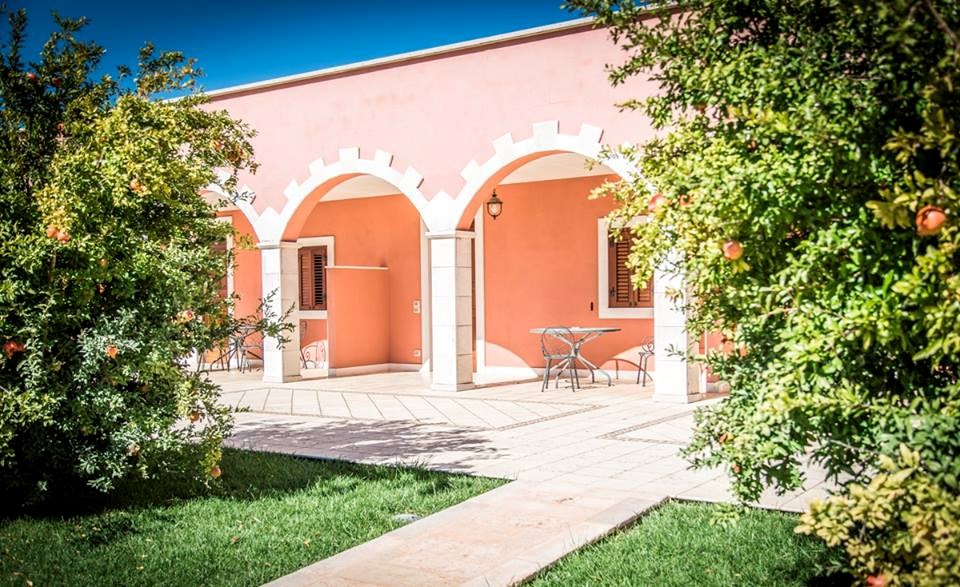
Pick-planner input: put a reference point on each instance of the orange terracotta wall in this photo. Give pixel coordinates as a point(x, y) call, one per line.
point(246, 267)
point(540, 263)
point(312, 331)
point(358, 316)
point(377, 232)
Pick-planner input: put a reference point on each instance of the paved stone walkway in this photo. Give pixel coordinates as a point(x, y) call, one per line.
point(583, 463)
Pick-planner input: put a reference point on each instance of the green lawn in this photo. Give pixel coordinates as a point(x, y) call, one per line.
point(675, 545)
point(271, 515)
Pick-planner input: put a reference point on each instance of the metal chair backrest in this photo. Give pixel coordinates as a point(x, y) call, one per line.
point(557, 342)
point(646, 344)
point(314, 354)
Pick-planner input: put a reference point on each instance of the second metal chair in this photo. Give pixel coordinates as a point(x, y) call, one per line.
point(558, 344)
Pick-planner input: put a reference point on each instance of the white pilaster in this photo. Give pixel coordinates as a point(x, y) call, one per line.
point(677, 380)
point(451, 319)
point(426, 345)
point(279, 266)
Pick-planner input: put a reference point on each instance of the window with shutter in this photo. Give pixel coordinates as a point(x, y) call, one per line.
point(622, 293)
point(313, 278)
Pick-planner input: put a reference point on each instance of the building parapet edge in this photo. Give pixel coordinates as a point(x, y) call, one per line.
point(390, 60)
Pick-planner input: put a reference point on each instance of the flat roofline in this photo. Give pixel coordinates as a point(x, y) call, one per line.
point(404, 57)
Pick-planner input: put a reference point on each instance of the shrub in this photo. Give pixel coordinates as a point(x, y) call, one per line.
point(899, 529)
point(809, 166)
point(107, 275)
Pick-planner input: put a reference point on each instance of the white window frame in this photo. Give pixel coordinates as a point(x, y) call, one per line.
point(603, 279)
point(313, 241)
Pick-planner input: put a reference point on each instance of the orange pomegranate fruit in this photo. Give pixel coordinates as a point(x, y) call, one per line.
point(732, 250)
point(656, 202)
point(930, 219)
point(12, 347)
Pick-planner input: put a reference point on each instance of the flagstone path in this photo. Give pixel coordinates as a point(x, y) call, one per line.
point(583, 464)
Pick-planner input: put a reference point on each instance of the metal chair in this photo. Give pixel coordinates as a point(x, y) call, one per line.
point(245, 344)
point(646, 351)
point(314, 355)
point(557, 344)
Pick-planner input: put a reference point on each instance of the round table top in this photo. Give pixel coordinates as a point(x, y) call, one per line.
point(577, 329)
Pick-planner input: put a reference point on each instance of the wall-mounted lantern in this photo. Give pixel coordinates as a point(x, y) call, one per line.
point(494, 205)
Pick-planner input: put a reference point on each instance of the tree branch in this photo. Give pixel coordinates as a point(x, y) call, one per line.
point(944, 27)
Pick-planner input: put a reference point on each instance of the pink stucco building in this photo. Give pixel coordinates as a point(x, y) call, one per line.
point(368, 213)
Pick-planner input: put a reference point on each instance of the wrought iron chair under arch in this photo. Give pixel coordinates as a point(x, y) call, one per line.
point(559, 348)
point(646, 351)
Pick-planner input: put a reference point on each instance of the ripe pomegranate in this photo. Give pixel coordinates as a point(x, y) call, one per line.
point(111, 351)
point(215, 471)
point(12, 347)
point(930, 219)
point(656, 201)
point(193, 416)
point(732, 250)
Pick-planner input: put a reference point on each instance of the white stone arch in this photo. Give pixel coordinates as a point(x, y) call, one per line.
point(243, 205)
point(271, 224)
point(445, 212)
point(279, 258)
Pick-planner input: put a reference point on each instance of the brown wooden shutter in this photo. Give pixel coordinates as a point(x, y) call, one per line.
point(645, 295)
point(306, 280)
point(619, 276)
point(221, 249)
point(313, 278)
point(320, 278)
point(622, 292)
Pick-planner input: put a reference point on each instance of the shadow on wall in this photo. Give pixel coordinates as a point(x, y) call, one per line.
point(392, 442)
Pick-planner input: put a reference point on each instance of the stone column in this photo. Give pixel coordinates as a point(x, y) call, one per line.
point(451, 313)
point(676, 379)
point(280, 276)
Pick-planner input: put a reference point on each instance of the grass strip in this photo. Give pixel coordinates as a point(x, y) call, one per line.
point(269, 515)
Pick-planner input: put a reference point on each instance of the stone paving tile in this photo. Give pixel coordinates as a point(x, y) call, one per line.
point(584, 463)
point(478, 412)
point(278, 400)
point(253, 400)
point(420, 409)
point(333, 405)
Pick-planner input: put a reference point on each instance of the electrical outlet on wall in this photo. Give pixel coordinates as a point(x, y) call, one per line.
point(416, 307)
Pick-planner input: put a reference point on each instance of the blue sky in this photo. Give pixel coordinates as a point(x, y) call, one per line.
point(244, 41)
